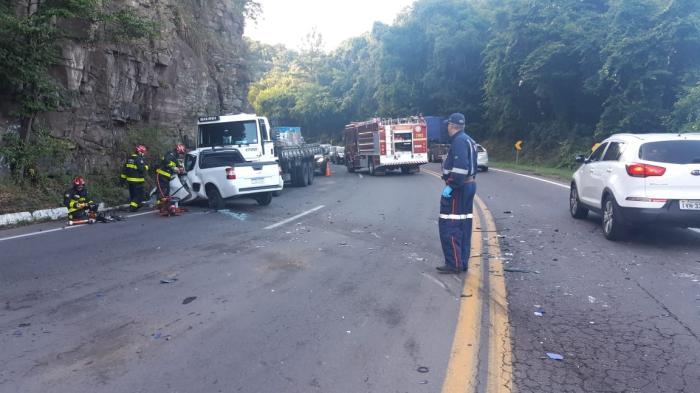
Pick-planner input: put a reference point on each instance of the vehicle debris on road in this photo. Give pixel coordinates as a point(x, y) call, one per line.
point(555, 356)
point(189, 300)
point(519, 270)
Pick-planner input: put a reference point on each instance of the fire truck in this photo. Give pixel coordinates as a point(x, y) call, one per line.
point(380, 145)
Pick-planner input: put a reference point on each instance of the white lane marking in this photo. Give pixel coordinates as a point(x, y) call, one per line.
point(533, 178)
point(140, 214)
point(360, 175)
point(695, 230)
point(435, 280)
point(38, 233)
point(62, 228)
point(298, 216)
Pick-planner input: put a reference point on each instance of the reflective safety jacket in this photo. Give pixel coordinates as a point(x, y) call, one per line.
point(460, 166)
point(134, 169)
point(168, 165)
point(72, 198)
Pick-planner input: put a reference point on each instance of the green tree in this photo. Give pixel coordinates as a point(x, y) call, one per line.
point(30, 34)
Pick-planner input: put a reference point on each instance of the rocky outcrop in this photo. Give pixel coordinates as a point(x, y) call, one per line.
point(194, 67)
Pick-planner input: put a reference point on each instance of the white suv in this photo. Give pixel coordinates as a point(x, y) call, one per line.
point(651, 179)
point(482, 158)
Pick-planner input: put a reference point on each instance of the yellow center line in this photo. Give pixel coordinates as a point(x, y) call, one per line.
point(461, 375)
point(500, 363)
point(463, 366)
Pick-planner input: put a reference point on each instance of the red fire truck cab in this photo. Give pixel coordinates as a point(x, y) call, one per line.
point(379, 145)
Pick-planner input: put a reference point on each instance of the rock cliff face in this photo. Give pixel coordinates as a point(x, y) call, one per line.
point(195, 67)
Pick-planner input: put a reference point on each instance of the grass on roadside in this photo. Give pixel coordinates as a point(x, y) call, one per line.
point(49, 193)
point(563, 174)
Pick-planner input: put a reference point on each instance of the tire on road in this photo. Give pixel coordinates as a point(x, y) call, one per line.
point(310, 173)
point(299, 175)
point(372, 169)
point(577, 210)
point(264, 198)
point(614, 227)
point(214, 198)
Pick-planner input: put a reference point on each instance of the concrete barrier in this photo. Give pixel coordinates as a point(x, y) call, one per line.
point(15, 218)
point(47, 214)
point(50, 214)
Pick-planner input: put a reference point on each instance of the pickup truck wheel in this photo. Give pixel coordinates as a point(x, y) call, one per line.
point(264, 199)
point(214, 198)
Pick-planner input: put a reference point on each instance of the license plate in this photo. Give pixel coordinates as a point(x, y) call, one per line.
point(690, 205)
point(260, 180)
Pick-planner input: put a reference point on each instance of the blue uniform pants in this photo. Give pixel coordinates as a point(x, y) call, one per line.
point(455, 226)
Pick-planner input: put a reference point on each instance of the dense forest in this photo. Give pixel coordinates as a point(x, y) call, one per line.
point(558, 74)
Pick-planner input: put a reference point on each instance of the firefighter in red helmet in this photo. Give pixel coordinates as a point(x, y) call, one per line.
point(134, 174)
point(77, 200)
point(168, 167)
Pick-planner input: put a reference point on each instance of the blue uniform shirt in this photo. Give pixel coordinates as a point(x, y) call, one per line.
point(460, 163)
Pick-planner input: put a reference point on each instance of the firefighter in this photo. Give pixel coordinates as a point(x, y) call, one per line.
point(133, 174)
point(457, 200)
point(168, 168)
point(77, 200)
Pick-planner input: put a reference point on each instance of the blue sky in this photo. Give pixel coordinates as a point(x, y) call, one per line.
point(289, 21)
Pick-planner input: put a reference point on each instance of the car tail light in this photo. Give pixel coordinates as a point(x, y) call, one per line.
point(645, 170)
point(230, 174)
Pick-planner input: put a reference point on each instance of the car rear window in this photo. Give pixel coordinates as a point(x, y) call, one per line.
point(671, 152)
point(223, 158)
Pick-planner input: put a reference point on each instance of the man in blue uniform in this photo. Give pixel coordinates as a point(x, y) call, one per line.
point(457, 201)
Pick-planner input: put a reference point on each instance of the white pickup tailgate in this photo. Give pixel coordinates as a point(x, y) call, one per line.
point(254, 177)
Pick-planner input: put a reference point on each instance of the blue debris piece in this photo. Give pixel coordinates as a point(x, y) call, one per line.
point(554, 356)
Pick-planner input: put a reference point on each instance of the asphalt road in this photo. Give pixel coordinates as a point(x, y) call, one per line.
point(345, 298)
point(625, 315)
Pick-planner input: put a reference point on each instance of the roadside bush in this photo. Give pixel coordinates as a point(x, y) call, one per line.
point(41, 157)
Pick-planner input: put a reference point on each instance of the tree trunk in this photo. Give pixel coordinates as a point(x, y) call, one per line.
point(25, 130)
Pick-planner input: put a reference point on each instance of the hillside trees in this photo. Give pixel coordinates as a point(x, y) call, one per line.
point(559, 74)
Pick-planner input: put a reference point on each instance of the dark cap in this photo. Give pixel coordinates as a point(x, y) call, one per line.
point(456, 118)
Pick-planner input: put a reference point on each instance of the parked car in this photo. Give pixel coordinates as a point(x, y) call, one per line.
point(639, 179)
point(338, 155)
point(482, 158)
point(322, 159)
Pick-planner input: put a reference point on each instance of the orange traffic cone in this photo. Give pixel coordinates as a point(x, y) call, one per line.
point(328, 169)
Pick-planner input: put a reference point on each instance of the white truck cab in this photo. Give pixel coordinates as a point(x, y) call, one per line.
point(248, 133)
